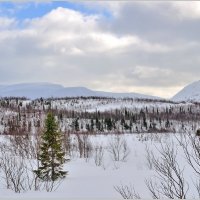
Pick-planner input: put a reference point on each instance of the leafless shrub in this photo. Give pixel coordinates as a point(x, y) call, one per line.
point(98, 155)
point(24, 146)
point(118, 149)
point(17, 170)
point(127, 191)
point(197, 186)
point(67, 143)
point(84, 146)
point(153, 188)
point(190, 144)
point(19, 177)
point(191, 147)
point(149, 157)
point(169, 181)
point(14, 172)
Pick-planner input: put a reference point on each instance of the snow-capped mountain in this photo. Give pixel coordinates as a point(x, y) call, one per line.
point(37, 90)
point(189, 93)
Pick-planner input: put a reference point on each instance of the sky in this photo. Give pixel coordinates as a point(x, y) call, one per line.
point(118, 46)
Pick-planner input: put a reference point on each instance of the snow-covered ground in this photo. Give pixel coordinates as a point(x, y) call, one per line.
point(88, 176)
point(86, 180)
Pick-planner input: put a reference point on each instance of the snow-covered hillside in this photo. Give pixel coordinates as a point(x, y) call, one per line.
point(189, 93)
point(45, 90)
point(99, 115)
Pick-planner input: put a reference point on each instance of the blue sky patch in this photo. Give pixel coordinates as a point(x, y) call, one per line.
point(31, 10)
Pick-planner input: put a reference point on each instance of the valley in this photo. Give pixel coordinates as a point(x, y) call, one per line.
point(117, 137)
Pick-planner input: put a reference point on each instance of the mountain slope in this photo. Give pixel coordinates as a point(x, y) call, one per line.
point(37, 90)
point(189, 93)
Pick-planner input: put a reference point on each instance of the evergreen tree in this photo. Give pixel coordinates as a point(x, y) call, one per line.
point(98, 124)
point(51, 155)
point(87, 127)
point(108, 123)
point(76, 125)
point(92, 125)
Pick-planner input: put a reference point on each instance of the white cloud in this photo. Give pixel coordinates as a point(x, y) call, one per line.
point(71, 32)
point(72, 48)
point(6, 23)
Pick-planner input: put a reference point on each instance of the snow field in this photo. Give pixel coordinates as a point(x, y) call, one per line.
point(87, 181)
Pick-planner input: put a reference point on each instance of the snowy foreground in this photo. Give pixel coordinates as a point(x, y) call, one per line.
point(87, 180)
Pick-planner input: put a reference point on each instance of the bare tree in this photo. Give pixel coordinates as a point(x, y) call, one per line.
point(24, 146)
point(153, 188)
point(17, 163)
point(169, 180)
point(190, 144)
point(98, 155)
point(118, 149)
point(191, 147)
point(84, 146)
point(149, 157)
point(13, 172)
point(67, 142)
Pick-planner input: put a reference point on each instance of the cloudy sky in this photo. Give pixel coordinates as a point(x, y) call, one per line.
point(124, 46)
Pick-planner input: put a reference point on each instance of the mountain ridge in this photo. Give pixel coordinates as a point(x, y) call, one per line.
point(190, 92)
point(45, 90)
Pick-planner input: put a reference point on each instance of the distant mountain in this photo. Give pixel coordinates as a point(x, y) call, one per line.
point(45, 90)
point(189, 93)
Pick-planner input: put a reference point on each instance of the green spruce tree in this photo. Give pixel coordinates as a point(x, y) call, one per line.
point(51, 154)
